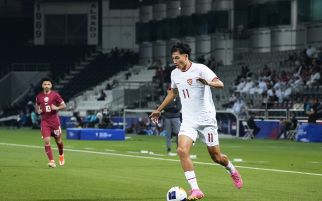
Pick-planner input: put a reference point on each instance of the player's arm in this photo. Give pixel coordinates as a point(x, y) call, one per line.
point(60, 107)
point(172, 94)
point(38, 109)
point(215, 83)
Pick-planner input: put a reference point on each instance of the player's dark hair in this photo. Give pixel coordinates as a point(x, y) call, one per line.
point(182, 48)
point(47, 79)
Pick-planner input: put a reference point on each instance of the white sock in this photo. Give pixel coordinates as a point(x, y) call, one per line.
point(230, 167)
point(191, 178)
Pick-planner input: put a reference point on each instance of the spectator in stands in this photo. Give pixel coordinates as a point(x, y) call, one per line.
point(78, 120)
point(21, 120)
point(272, 97)
point(298, 105)
point(241, 84)
point(72, 105)
point(244, 71)
point(262, 86)
point(284, 78)
point(90, 119)
point(312, 110)
point(102, 96)
point(278, 93)
point(239, 108)
point(315, 77)
point(266, 102)
point(287, 124)
point(267, 73)
point(252, 125)
point(296, 83)
point(34, 120)
point(287, 91)
point(306, 74)
point(249, 84)
point(232, 99)
point(140, 127)
point(319, 56)
point(105, 120)
point(310, 52)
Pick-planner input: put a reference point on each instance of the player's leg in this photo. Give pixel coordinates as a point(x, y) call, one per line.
point(60, 145)
point(210, 137)
point(223, 160)
point(183, 150)
point(45, 132)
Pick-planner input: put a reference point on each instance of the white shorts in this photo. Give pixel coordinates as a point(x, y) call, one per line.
point(207, 133)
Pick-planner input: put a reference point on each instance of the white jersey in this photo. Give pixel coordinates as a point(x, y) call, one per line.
point(196, 98)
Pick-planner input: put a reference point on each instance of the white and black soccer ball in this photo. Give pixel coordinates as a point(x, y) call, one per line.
point(176, 194)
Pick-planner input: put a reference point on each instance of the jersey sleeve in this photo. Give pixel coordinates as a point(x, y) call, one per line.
point(59, 99)
point(173, 84)
point(208, 74)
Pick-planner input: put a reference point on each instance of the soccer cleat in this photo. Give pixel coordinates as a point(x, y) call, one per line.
point(195, 194)
point(61, 160)
point(52, 164)
point(238, 182)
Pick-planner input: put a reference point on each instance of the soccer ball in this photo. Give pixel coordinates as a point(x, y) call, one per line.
point(176, 194)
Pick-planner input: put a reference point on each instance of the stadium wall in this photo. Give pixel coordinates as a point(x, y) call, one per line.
point(118, 28)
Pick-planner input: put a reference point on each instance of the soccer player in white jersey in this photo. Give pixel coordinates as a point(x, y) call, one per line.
point(192, 82)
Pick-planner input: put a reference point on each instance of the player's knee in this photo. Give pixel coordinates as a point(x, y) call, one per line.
point(59, 141)
point(46, 141)
point(182, 151)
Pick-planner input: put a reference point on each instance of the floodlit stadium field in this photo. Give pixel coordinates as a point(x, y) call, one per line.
point(117, 171)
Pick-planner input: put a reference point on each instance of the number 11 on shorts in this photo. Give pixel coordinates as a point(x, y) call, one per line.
point(210, 137)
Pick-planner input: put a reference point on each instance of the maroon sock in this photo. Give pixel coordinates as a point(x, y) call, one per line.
point(49, 152)
point(60, 148)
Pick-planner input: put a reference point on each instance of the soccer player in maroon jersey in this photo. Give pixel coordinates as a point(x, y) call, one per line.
point(48, 103)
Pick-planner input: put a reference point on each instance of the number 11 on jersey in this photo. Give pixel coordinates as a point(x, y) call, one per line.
point(185, 93)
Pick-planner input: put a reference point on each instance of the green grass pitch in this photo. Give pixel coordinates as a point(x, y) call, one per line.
point(116, 171)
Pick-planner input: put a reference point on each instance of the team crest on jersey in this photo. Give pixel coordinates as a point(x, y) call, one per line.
point(46, 99)
point(189, 81)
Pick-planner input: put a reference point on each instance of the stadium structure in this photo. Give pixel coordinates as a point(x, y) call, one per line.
point(120, 49)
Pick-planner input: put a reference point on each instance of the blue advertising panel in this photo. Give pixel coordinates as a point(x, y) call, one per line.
point(73, 133)
point(269, 129)
point(95, 134)
point(309, 133)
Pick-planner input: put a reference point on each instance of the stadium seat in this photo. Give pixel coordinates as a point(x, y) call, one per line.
point(291, 134)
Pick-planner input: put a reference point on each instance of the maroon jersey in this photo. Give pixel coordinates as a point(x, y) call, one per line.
point(44, 101)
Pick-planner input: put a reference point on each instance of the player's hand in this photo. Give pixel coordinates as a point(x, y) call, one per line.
point(154, 116)
point(203, 81)
point(54, 107)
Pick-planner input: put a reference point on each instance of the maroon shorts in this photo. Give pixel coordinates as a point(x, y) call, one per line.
point(50, 130)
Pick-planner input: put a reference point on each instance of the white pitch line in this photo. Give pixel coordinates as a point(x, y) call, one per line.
point(109, 150)
point(161, 159)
